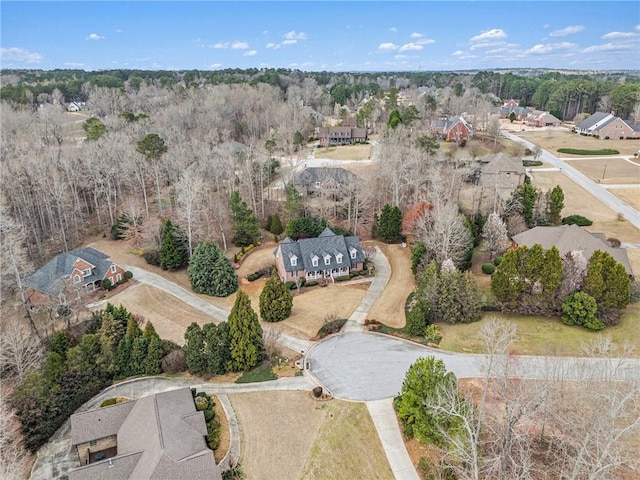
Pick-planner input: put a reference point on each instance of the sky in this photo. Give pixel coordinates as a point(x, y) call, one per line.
point(316, 36)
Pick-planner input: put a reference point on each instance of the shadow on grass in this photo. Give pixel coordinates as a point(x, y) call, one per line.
point(262, 373)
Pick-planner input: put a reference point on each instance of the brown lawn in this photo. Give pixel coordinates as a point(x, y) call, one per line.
point(346, 152)
point(629, 195)
point(288, 435)
point(561, 137)
point(608, 170)
point(389, 309)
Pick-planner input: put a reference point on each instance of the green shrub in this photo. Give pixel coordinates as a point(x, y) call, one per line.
point(531, 163)
point(128, 275)
point(433, 334)
point(577, 151)
point(579, 308)
point(201, 401)
point(497, 261)
point(254, 276)
point(342, 278)
point(312, 283)
point(106, 284)
point(488, 268)
point(152, 256)
point(107, 402)
point(577, 220)
point(333, 326)
point(634, 292)
point(290, 285)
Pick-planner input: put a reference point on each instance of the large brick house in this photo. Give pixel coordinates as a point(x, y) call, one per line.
point(606, 125)
point(328, 180)
point(154, 437)
point(345, 135)
point(538, 118)
point(452, 129)
point(80, 271)
point(326, 256)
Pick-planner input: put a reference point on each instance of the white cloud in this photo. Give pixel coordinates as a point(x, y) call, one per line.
point(546, 26)
point(272, 45)
point(401, 57)
point(482, 45)
point(493, 34)
point(410, 46)
point(265, 32)
point(611, 35)
point(393, 29)
point(458, 53)
point(570, 30)
point(118, 30)
point(94, 36)
point(290, 41)
point(416, 35)
point(73, 64)
point(638, 28)
point(425, 41)
point(20, 55)
point(293, 35)
point(550, 47)
point(250, 53)
point(215, 65)
point(221, 45)
point(611, 46)
point(387, 47)
point(239, 45)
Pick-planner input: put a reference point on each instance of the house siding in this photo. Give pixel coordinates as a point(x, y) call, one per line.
point(617, 130)
point(86, 449)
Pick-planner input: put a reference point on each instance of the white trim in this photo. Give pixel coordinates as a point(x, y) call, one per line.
point(113, 268)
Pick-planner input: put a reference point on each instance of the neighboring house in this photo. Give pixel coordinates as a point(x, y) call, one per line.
point(326, 180)
point(452, 129)
point(538, 118)
point(607, 125)
point(157, 437)
point(74, 107)
point(511, 103)
point(326, 256)
point(568, 238)
point(499, 171)
point(345, 135)
point(521, 112)
point(82, 270)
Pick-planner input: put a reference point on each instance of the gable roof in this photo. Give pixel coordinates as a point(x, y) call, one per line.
point(161, 436)
point(326, 244)
point(500, 163)
point(594, 120)
point(311, 175)
point(447, 124)
point(50, 277)
point(572, 237)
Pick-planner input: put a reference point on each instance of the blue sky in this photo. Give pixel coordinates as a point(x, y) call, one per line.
point(309, 35)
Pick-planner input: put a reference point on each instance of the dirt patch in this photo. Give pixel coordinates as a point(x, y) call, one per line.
point(608, 170)
point(629, 195)
point(170, 316)
point(561, 137)
point(277, 430)
point(257, 259)
point(389, 309)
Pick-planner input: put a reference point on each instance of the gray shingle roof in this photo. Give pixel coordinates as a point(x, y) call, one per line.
point(571, 237)
point(50, 278)
point(328, 244)
point(311, 175)
point(499, 163)
point(592, 120)
point(162, 436)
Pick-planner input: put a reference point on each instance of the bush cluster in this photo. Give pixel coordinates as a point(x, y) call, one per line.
point(488, 268)
point(577, 220)
point(577, 151)
point(342, 278)
point(244, 250)
point(204, 403)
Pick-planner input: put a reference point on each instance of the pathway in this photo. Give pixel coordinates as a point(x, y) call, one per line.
point(595, 189)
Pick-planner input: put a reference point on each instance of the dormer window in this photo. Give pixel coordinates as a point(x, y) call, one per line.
point(327, 259)
point(354, 252)
point(86, 272)
point(314, 261)
point(77, 278)
point(339, 258)
point(113, 268)
point(294, 261)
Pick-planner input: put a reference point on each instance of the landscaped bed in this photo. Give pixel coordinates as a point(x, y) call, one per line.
point(577, 151)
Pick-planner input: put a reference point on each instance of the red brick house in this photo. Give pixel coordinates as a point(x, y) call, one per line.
point(346, 135)
point(511, 103)
point(538, 118)
point(80, 271)
point(452, 129)
point(327, 256)
point(606, 125)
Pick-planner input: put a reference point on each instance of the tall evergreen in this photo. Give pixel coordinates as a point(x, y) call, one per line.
point(174, 253)
point(389, 226)
point(555, 204)
point(211, 272)
point(217, 347)
point(246, 229)
point(607, 282)
point(139, 351)
point(152, 364)
point(194, 349)
point(276, 300)
point(245, 331)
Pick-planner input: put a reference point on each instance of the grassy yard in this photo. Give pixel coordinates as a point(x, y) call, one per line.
point(346, 152)
point(542, 335)
point(608, 170)
point(562, 137)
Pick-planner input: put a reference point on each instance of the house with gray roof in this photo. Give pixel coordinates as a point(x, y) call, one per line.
point(326, 180)
point(452, 129)
point(80, 271)
point(607, 125)
point(568, 238)
point(157, 437)
point(326, 256)
point(343, 135)
point(538, 118)
point(520, 112)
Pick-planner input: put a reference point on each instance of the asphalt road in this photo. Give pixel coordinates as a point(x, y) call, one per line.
point(595, 189)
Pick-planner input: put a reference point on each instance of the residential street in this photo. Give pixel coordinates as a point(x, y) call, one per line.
point(597, 190)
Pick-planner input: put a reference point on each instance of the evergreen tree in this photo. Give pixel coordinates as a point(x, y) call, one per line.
point(276, 225)
point(111, 331)
point(374, 226)
point(150, 332)
point(390, 224)
point(555, 204)
point(94, 128)
point(194, 349)
point(174, 253)
point(123, 358)
point(607, 282)
point(211, 272)
point(217, 347)
point(133, 329)
point(276, 300)
point(512, 116)
point(153, 361)
point(245, 225)
point(305, 227)
point(580, 308)
point(417, 319)
point(527, 196)
point(246, 335)
point(551, 281)
point(294, 204)
point(506, 283)
point(139, 350)
point(267, 226)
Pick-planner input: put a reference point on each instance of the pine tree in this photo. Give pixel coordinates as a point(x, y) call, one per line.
point(245, 225)
point(246, 335)
point(417, 319)
point(294, 204)
point(276, 300)
point(174, 253)
point(527, 195)
point(211, 272)
point(217, 347)
point(133, 329)
point(150, 332)
point(555, 204)
point(194, 349)
point(138, 355)
point(267, 226)
point(123, 358)
point(506, 283)
point(607, 282)
point(152, 364)
point(276, 225)
point(551, 280)
point(390, 224)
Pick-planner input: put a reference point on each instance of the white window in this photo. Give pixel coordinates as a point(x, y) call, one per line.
point(339, 258)
point(113, 268)
point(77, 278)
point(327, 259)
point(294, 261)
point(86, 272)
point(118, 277)
point(294, 273)
point(314, 261)
point(353, 253)
point(317, 184)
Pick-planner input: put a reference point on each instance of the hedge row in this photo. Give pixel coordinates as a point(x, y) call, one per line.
point(577, 151)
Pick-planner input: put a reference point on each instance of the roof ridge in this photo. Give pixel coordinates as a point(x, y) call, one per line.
point(159, 423)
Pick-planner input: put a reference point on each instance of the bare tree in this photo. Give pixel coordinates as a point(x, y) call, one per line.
point(494, 233)
point(13, 456)
point(189, 191)
point(20, 351)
